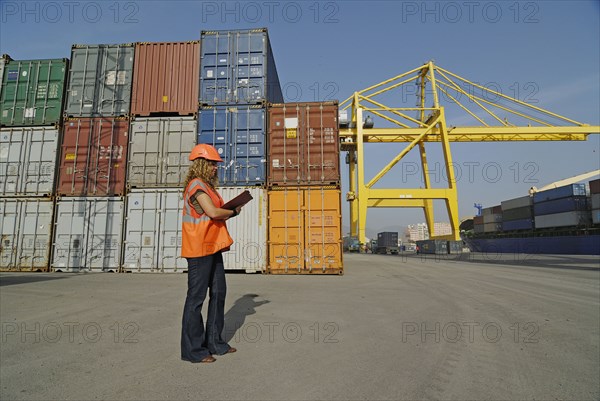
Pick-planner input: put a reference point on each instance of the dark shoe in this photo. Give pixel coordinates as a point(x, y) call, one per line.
point(206, 359)
point(231, 350)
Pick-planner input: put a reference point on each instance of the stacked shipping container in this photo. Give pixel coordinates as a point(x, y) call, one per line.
point(162, 132)
point(517, 214)
point(565, 206)
point(304, 233)
point(31, 100)
point(237, 78)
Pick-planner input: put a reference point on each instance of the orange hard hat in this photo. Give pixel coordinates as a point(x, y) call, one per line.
point(205, 151)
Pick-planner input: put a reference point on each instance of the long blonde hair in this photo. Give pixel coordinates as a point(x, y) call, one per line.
point(203, 169)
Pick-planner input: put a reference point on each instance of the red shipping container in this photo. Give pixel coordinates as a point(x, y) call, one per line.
point(166, 78)
point(93, 156)
point(595, 186)
point(303, 144)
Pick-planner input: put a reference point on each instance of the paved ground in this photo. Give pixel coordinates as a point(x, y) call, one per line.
point(392, 327)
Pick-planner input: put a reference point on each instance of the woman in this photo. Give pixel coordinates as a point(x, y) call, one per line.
point(204, 238)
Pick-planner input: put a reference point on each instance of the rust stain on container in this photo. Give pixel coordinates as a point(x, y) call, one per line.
point(166, 78)
point(303, 144)
point(93, 156)
point(305, 234)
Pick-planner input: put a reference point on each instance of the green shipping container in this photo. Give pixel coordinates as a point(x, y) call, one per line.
point(32, 92)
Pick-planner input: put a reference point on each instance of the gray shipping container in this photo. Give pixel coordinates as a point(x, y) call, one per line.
point(492, 218)
point(478, 228)
point(518, 213)
point(26, 231)
point(100, 80)
point(153, 231)
point(433, 246)
point(159, 150)
point(595, 201)
point(596, 216)
point(455, 247)
point(566, 219)
point(248, 230)
point(88, 234)
point(28, 161)
point(492, 227)
point(516, 203)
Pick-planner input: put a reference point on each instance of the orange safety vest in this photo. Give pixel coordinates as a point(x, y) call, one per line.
point(201, 235)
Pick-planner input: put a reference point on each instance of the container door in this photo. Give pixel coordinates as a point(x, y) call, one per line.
point(141, 231)
point(178, 140)
point(144, 153)
point(250, 59)
point(321, 145)
point(322, 223)
point(169, 233)
point(214, 129)
point(216, 77)
point(247, 146)
point(285, 147)
point(81, 94)
point(103, 234)
point(69, 235)
point(286, 231)
point(115, 79)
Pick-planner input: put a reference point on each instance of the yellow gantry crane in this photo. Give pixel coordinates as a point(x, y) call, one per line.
point(429, 125)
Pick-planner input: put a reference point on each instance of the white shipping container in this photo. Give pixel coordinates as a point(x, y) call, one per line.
point(516, 203)
point(248, 230)
point(595, 201)
point(88, 234)
point(153, 231)
point(28, 161)
point(159, 150)
point(26, 231)
point(492, 218)
point(566, 219)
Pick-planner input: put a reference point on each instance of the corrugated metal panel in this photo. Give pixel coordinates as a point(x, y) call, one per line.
point(595, 186)
point(492, 218)
point(478, 228)
point(33, 92)
point(572, 203)
point(93, 156)
point(165, 78)
point(88, 234)
point(387, 239)
point(238, 133)
point(478, 220)
point(559, 245)
point(28, 161)
point(565, 219)
point(519, 213)
point(159, 150)
point(560, 192)
point(303, 144)
point(522, 224)
point(238, 67)
point(455, 247)
point(596, 216)
point(26, 232)
point(492, 210)
point(305, 233)
point(100, 80)
point(516, 203)
point(249, 232)
point(153, 231)
point(492, 227)
point(595, 201)
point(433, 247)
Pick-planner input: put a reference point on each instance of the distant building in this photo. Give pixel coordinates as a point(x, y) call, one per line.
point(419, 232)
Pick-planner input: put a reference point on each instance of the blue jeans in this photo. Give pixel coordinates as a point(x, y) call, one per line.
point(203, 273)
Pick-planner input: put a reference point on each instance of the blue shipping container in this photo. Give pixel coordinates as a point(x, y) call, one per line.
point(560, 192)
point(239, 134)
point(523, 224)
point(570, 204)
point(237, 67)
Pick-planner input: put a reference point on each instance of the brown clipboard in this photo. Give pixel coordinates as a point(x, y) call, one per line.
point(239, 200)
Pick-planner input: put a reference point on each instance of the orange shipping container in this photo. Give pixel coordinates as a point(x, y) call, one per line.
point(166, 78)
point(303, 144)
point(93, 156)
point(305, 231)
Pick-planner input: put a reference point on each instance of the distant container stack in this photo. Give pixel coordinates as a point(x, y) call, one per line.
point(305, 234)
point(517, 214)
point(31, 106)
point(565, 206)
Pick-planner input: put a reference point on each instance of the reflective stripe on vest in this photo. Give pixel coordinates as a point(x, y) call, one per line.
point(201, 235)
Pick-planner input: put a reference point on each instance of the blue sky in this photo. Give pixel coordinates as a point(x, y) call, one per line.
point(546, 52)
